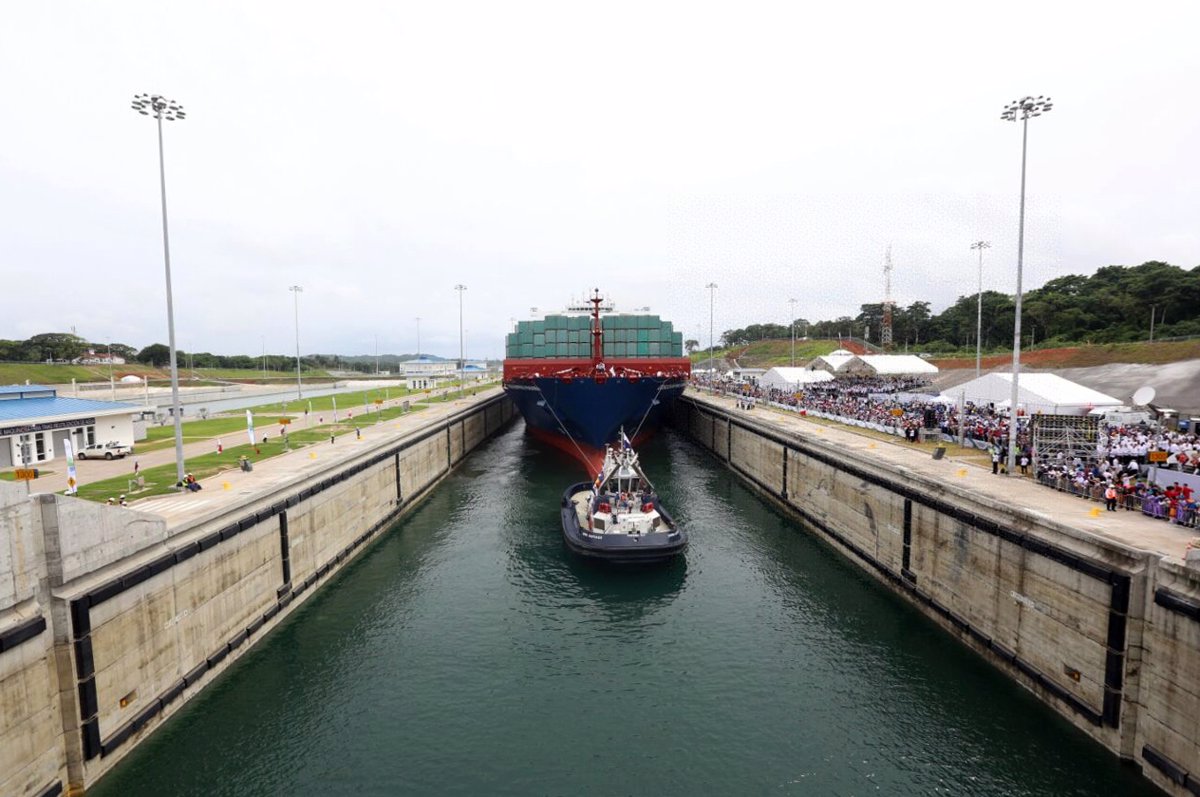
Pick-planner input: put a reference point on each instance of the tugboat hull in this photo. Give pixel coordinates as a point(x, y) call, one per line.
point(649, 548)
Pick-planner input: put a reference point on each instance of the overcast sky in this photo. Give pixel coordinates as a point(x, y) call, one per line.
point(379, 153)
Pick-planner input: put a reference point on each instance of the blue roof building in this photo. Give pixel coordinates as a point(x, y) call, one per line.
point(35, 420)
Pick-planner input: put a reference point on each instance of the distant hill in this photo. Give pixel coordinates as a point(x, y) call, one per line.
point(771, 353)
point(1085, 356)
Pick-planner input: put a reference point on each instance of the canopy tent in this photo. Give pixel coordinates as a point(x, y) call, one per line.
point(843, 363)
point(1045, 393)
point(897, 365)
point(792, 378)
point(832, 362)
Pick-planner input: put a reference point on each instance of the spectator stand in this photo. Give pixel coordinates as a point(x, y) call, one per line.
point(1064, 437)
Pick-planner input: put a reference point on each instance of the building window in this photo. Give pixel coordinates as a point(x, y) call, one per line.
point(39, 442)
point(89, 434)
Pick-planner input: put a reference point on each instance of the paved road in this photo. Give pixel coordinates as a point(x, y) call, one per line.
point(233, 486)
point(94, 470)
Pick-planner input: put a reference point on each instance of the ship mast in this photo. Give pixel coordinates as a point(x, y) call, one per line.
point(597, 342)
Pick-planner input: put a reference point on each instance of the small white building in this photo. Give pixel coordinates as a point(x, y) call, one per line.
point(792, 378)
point(1036, 392)
point(34, 421)
point(93, 357)
point(426, 367)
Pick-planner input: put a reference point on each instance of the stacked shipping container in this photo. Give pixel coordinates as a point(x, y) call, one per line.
point(563, 336)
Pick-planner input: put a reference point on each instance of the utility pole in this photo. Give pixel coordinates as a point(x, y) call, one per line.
point(162, 108)
point(1022, 109)
point(792, 302)
point(885, 336)
point(296, 291)
point(461, 362)
point(979, 245)
point(712, 292)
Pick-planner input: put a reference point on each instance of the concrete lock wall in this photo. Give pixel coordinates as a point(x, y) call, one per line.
point(109, 622)
point(1107, 635)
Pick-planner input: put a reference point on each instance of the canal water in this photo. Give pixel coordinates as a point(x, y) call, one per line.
point(468, 653)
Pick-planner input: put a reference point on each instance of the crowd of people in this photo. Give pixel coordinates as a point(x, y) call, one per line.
point(894, 403)
point(1116, 474)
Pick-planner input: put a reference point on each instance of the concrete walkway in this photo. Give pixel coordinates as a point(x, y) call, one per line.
point(234, 486)
point(1129, 528)
point(91, 471)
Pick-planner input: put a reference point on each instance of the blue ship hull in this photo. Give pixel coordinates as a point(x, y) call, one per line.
point(592, 413)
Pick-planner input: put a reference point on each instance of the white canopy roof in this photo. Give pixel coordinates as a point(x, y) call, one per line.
point(831, 362)
point(1048, 393)
point(898, 364)
point(787, 378)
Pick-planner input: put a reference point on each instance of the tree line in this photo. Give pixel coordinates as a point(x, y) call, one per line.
point(63, 347)
point(1116, 304)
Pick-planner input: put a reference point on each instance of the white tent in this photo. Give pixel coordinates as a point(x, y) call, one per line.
point(831, 362)
point(792, 378)
point(1046, 393)
point(898, 364)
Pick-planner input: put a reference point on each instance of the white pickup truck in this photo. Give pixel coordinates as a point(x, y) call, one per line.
point(109, 450)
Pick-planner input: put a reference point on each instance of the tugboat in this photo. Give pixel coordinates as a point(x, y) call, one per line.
point(618, 517)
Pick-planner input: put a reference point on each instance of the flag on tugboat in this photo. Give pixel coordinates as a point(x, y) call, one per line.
point(625, 444)
point(599, 481)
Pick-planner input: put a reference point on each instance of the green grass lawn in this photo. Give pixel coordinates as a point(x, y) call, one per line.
point(160, 479)
point(212, 427)
point(46, 374)
point(351, 401)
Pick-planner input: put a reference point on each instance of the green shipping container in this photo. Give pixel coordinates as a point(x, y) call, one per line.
point(643, 349)
point(654, 348)
point(643, 336)
point(621, 349)
point(526, 350)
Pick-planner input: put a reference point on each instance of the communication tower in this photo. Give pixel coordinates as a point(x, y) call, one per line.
point(885, 337)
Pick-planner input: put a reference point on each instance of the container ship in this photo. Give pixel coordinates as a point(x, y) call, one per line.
point(581, 377)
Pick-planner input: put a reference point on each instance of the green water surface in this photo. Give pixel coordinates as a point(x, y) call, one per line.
point(468, 653)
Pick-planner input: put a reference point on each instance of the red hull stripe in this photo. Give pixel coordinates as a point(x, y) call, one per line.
point(580, 368)
point(594, 457)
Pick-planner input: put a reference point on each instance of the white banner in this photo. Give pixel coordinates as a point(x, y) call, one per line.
point(335, 409)
point(250, 426)
point(72, 483)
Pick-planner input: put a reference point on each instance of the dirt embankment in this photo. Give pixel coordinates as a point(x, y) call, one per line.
point(1086, 356)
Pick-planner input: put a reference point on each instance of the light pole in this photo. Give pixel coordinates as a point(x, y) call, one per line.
point(161, 108)
point(296, 291)
point(460, 288)
point(418, 337)
point(980, 245)
point(712, 293)
point(792, 323)
point(1021, 109)
point(112, 385)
